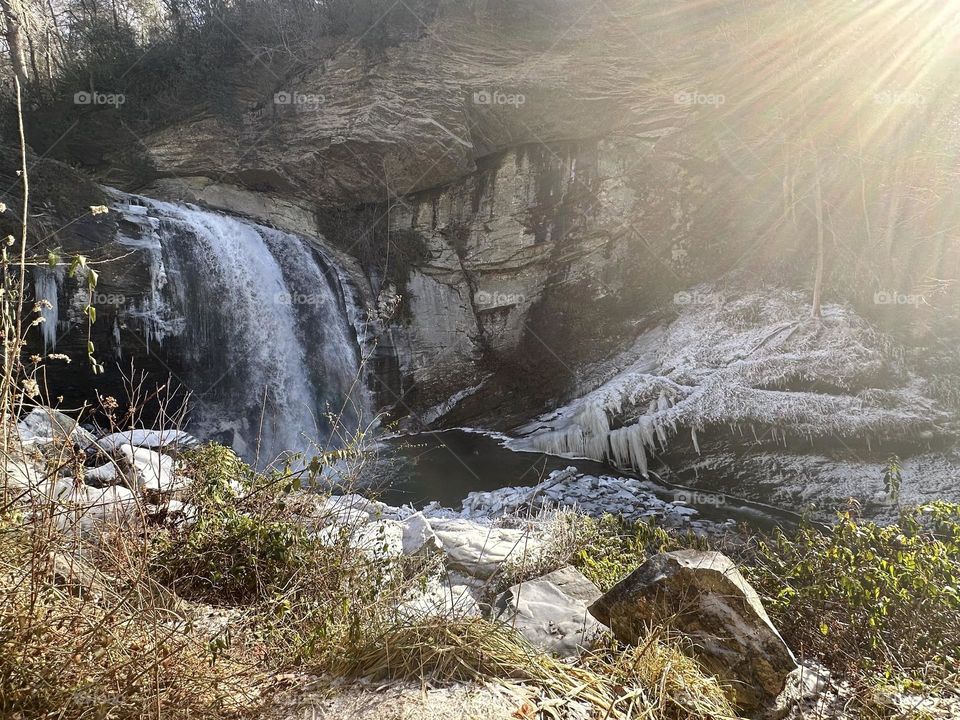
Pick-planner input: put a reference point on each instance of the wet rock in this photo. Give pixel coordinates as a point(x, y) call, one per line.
point(551, 611)
point(703, 596)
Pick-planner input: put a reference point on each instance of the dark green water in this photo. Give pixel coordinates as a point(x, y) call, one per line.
point(446, 466)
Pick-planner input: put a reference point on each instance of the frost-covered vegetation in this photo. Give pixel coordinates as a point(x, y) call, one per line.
point(753, 360)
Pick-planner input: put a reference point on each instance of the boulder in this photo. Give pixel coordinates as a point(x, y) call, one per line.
point(348, 509)
point(150, 439)
point(43, 425)
point(82, 507)
point(479, 551)
point(381, 539)
point(418, 536)
point(551, 611)
point(149, 471)
point(704, 597)
point(101, 475)
point(22, 474)
point(442, 597)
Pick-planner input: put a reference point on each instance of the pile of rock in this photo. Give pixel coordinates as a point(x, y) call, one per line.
point(699, 595)
point(124, 475)
point(632, 498)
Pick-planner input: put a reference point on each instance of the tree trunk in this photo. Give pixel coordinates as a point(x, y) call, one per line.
point(818, 274)
point(14, 36)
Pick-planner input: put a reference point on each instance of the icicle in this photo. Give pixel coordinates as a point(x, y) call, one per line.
point(46, 286)
point(693, 436)
point(628, 449)
point(647, 432)
point(593, 419)
point(117, 349)
point(662, 436)
point(663, 402)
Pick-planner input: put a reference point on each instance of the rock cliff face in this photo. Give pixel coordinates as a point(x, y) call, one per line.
point(538, 181)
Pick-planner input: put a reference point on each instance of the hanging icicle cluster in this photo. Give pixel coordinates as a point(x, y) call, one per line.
point(46, 290)
point(589, 434)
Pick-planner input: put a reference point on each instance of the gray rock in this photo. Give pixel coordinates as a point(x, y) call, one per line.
point(102, 475)
point(22, 474)
point(78, 506)
point(551, 611)
point(442, 597)
point(43, 425)
point(150, 471)
point(381, 539)
point(804, 687)
point(418, 536)
point(479, 551)
point(150, 439)
point(682, 510)
point(704, 596)
point(350, 508)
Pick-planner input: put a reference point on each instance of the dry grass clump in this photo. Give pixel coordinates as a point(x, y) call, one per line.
point(565, 533)
point(653, 680)
point(72, 647)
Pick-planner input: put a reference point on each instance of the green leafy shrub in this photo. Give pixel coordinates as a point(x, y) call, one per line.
point(230, 557)
point(241, 548)
point(881, 600)
point(218, 474)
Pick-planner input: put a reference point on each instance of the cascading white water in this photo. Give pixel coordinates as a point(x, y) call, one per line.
point(265, 341)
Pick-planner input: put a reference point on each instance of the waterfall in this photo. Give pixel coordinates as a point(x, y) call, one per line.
point(268, 350)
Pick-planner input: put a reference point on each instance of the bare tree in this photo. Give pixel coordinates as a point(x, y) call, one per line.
point(13, 32)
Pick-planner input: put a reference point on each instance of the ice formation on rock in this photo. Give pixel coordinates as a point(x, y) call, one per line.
point(749, 359)
point(46, 287)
